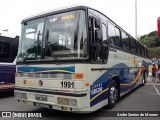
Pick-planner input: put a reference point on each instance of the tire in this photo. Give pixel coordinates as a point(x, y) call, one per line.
point(112, 94)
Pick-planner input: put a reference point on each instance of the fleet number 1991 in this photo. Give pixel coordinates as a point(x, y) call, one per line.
point(67, 84)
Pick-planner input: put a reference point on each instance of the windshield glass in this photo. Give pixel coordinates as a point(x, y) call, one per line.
point(64, 37)
point(31, 40)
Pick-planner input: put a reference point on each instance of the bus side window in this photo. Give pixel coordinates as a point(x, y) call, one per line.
point(133, 46)
point(111, 34)
point(114, 35)
point(138, 48)
point(143, 51)
point(117, 37)
point(104, 33)
point(125, 42)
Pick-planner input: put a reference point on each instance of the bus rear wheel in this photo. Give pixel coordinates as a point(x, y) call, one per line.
point(112, 94)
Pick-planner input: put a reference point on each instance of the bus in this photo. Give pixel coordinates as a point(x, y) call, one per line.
point(8, 53)
point(76, 59)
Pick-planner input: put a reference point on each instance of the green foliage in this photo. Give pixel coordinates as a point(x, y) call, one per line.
point(152, 41)
point(142, 37)
point(149, 41)
point(154, 33)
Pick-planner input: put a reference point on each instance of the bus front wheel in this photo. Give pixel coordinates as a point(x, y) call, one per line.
point(112, 94)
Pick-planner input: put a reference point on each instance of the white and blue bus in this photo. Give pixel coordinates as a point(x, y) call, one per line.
point(76, 59)
point(8, 53)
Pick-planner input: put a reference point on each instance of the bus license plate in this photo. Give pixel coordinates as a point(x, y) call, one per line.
point(41, 97)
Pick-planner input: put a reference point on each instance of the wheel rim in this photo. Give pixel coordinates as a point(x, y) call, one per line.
point(113, 94)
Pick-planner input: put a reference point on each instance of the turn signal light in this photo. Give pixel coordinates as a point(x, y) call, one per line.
point(78, 76)
point(87, 84)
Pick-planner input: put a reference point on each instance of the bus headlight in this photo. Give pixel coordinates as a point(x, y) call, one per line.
point(72, 102)
point(67, 101)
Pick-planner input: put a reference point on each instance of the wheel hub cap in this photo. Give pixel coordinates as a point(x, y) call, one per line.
point(113, 94)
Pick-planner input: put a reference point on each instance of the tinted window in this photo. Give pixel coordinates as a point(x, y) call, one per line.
point(111, 34)
point(133, 45)
point(125, 42)
point(6, 47)
point(0, 46)
point(143, 51)
point(117, 31)
point(114, 35)
point(5, 52)
point(139, 49)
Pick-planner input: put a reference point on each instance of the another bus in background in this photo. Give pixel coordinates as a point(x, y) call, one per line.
point(8, 53)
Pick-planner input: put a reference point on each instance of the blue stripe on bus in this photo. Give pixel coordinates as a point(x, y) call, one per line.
point(65, 70)
point(104, 79)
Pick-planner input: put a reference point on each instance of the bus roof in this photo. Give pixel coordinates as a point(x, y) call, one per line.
point(54, 11)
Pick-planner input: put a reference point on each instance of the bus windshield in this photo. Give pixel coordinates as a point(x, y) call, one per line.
point(61, 35)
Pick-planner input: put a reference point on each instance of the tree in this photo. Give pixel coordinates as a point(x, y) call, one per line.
point(152, 41)
point(154, 33)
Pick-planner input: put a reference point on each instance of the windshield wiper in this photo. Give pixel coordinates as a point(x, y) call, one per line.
point(32, 57)
point(49, 46)
point(29, 51)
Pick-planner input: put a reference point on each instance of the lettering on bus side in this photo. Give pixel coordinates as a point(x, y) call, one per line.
point(19, 82)
point(96, 89)
point(29, 82)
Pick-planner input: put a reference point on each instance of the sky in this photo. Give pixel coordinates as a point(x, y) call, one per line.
point(121, 12)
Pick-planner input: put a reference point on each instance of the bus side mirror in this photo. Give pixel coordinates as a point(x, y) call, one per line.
point(98, 31)
point(98, 35)
point(90, 23)
point(98, 23)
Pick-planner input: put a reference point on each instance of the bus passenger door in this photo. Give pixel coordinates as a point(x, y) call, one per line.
point(98, 41)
